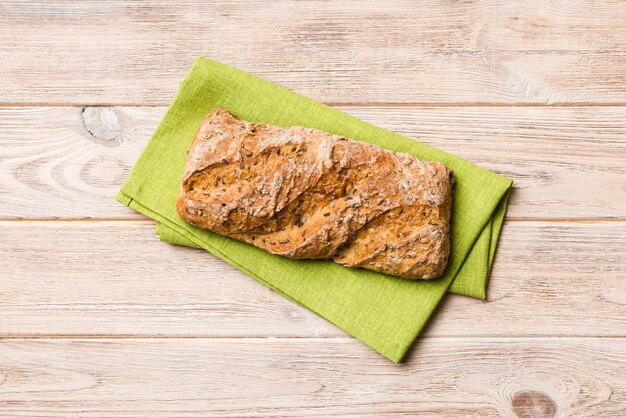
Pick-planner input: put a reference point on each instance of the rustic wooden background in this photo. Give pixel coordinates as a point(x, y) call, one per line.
point(98, 318)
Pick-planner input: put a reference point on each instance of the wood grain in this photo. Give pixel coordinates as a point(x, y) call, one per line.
point(100, 319)
point(482, 51)
point(314, 377)
point(567, 163)
point(117, 278)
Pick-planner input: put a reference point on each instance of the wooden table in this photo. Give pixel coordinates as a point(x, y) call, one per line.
point(98, 318)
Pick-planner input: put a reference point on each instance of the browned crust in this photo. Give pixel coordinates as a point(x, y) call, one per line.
point(303, 193)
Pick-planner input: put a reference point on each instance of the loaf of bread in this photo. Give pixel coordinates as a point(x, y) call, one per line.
point(307, 194)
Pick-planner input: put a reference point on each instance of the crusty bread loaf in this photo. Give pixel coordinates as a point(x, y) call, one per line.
point(304, 193)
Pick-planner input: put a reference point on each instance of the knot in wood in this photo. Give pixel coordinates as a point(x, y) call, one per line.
point(101, 122)
point(533, 404)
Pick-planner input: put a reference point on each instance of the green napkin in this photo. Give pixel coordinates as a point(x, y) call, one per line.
point(384, 312)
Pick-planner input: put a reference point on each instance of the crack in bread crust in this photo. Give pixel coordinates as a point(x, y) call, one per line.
point(303, 193)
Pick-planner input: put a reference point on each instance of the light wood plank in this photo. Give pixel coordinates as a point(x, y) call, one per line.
point(350, 51)
point(117, 278)
point(567, 163)
point(311, 377)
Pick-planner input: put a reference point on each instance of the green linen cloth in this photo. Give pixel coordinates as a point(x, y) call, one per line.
point(384, 312)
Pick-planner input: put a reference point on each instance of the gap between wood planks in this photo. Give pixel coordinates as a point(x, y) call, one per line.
point(340, 104)
point(296, 337)
point(148, 221)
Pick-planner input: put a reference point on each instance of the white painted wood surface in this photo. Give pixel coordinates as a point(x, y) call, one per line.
point(486, 377)
point(567, 163)
point(112, 278)
point(483, 51)
point(98, 318)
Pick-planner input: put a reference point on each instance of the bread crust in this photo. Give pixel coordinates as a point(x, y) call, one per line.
point(307, 194)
